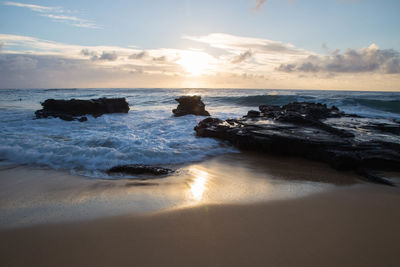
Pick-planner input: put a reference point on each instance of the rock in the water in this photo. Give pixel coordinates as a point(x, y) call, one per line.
point(190, 105)
point(72, 109)
point(312, 131)
point(253, 113)
point(139, 169)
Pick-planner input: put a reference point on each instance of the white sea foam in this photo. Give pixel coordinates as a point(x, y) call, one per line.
point(139, 137)
point(148, 134)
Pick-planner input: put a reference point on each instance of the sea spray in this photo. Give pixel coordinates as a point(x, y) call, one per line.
point(148, 134)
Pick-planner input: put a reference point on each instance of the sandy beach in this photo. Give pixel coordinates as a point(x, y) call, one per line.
point(30, 196)
point(200, 133)
point(233, 210)
point(354, 226)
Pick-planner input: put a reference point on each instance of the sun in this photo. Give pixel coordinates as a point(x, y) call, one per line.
point(195, 63)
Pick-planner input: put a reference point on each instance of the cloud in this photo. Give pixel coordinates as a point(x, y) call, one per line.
point(56, 14)
point(106, 56)
point(145, 55)
point(28, 62)
point(140, 55)
point(370, 59)
point(238, 43)
point(35, 8)
point(242, 57)
point(18, 63)
point(161, 58)
point(32, 45)
point(44, 71)
point(258, 4)
point(54, 71)
point(87, 52)
point(72, 20)
point(1, 47)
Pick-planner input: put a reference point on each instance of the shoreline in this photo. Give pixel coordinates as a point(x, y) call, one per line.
point(346, 226)
point(240, 209)
point(30, 196)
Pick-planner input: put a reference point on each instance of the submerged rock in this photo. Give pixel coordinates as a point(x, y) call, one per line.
point(312, 131)
point(190, 105)
point(70, 110)
point(139, 169)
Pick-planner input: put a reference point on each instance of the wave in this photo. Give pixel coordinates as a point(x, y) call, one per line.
point(139, 137)
point(360, 103)
point(148, 134)
point(257, 100)
point(392, 106)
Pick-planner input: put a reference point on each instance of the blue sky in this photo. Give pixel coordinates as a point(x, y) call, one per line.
point(247, 44)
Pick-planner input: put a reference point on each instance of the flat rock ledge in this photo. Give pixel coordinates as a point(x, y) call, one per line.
point(314, 131)
point(134, 169)
point(190, 105)
point(75, 109)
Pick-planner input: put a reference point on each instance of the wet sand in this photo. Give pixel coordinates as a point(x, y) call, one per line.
point(234, 210)
point(33, 196)
point(348, 226)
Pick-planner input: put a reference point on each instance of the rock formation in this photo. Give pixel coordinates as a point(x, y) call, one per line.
point(313, 131)
point(190, 105)
point(72, 109)
point(139, 169)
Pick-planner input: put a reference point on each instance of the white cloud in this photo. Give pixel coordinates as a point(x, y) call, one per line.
point(370, 59)
point(234, 52)
point(238, 43)
point(56, 14)
point(121, 58)
point(32, 7)
point(240, 62)
point(31, 45)
point(72, 20)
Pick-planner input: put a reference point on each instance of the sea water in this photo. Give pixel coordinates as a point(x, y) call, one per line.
point(149, 133)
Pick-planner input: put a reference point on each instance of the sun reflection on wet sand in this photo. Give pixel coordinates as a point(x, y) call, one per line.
point(228, 179)
point(198, 186)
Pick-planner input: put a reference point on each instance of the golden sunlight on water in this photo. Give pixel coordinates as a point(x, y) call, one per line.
point(199, 185)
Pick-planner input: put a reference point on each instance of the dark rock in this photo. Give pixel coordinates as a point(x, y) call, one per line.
point(69, 110)
point(386, 128)
point(253, 113)
point(82, 119)
point(372, 177)
point(206, 128)
point(312, 131)
point(190, 105)
point(139, 169)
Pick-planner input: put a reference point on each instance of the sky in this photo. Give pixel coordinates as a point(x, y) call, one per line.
point(271, 44)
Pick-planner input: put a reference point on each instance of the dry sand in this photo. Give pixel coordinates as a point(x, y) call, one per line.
point(348, 226)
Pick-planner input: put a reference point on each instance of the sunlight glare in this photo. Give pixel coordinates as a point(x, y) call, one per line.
point(198, 186)
point(195, 63)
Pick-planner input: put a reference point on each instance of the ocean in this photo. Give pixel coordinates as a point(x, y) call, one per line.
point(148, 134)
